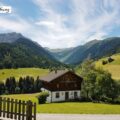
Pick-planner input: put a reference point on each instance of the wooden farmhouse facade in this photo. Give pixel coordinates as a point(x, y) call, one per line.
point(62, 85)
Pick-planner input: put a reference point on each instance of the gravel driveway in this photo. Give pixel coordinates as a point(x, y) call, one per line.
point(76, 117)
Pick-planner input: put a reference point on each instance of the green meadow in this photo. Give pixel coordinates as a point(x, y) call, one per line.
point(113, 67)
point(69, 107)
point(66, 107)
point(22, 72)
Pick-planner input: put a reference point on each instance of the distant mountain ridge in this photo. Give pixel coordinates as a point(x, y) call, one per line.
point(94, 49)
point(10, 37)
point(60, 54)
point(19, 51)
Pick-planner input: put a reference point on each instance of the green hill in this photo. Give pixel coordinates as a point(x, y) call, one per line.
point(113, 67)
point(95, 49)
point(22, 72)
point(16, 51)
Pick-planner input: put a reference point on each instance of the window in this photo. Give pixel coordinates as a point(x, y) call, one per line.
point(57, 95)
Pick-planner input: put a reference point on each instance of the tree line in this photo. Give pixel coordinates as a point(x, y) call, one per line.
point(98, 85)
point(23, 85)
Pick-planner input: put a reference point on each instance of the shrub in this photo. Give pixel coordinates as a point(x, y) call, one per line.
point(106, 99)
point(104, 62)
point(42, 97)
point(98, 85)
point(116, 102)
point(110, 59)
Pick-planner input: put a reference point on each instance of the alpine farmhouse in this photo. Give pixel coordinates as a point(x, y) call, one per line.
point(62, 85)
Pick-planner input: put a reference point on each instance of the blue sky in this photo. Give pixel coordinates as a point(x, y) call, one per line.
point(62, 23)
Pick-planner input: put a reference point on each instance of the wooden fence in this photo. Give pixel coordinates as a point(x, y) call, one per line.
point(17, 109)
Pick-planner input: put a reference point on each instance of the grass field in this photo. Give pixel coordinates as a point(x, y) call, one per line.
point(113, 67)
point(70, 107)
point(22, 72)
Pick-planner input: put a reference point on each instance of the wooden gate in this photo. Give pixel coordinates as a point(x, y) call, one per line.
point(17, 109)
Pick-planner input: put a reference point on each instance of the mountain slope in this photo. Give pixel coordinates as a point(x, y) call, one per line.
point(60, 54)
point(10, 37)
point(18, 51)
point(94, 49)
point(113, 67)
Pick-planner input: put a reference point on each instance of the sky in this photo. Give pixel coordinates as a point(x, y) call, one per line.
point(62, 23)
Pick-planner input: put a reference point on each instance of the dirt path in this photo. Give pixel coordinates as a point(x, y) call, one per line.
point(76, 117)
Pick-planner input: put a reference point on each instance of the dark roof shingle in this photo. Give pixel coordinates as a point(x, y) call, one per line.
point(53, 75)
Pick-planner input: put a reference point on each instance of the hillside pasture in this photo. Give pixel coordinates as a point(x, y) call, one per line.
point(69, 107)
point(113, 67)
point(22, 72)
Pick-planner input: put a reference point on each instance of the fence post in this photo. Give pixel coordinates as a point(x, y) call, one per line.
point(29, 110)
point(4, 103)
point(23, 110)
point(11, 114)
point(10, 108)
point(34, 111)
point(19, 110)
point(0, 106)
point(16, 107)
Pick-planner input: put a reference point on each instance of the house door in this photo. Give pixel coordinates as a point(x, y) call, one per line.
point(75, 95)
point(66, 95)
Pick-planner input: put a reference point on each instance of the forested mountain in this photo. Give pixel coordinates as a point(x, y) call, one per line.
point(18, 51)
point(60, 54)
point(94, 49)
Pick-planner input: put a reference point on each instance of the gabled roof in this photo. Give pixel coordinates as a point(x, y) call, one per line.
point(53, 75)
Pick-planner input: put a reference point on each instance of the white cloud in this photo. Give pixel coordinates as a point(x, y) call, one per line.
point(87, 20)
point(13, 25)
point(46, 23)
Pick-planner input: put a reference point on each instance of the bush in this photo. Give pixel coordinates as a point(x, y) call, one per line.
point(42, 97)
point(106, 99)
point(104, 62)
point(110, 59)
point(116, 102)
